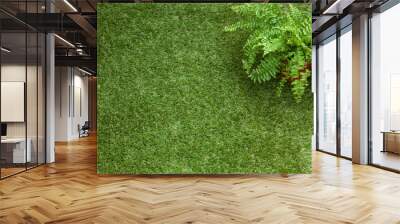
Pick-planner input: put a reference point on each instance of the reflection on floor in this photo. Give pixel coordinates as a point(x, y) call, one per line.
point(387, 159)
point(346, 152)
point(70, 191)
point(11, 169)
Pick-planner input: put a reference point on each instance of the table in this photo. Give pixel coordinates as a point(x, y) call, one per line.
point(391, 141)
point(13, 150)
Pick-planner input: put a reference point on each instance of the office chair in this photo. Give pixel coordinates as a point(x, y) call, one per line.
point(84, 130)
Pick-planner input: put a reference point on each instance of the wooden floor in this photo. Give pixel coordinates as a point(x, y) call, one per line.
point(5, 172)
point(70, 191)
point(387, 159)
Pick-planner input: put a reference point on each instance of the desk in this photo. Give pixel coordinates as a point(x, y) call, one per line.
point(15, 148)
point(391, 141)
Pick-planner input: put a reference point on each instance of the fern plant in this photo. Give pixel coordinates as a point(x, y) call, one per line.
point(278, 45)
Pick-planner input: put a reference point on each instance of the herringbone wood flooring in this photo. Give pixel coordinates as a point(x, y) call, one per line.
point(70, 191)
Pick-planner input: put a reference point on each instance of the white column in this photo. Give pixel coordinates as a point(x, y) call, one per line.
point(50, 99)
point(360, 90)
point(50, 92)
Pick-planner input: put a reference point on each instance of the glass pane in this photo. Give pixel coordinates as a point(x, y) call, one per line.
point(346, 92)
point(385, 89)
point(41, 99)
point(14, 153)
point(327, 96)
point(32, 95)
point(31, 88)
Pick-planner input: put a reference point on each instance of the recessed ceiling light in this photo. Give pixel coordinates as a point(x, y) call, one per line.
point(5, 50)
point(65, 41)
point(84, 71)
point(70, 5)
point(337, 7)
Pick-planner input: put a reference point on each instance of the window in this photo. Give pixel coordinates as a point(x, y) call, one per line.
point(346, 92)
point(327, 95)
point(385, 89)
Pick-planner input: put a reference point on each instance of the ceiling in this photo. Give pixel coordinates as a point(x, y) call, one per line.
point(74, 21)
point(332, 15)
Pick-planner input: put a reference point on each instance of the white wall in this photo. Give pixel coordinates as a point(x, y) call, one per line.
point(70, 83)
point(17, 72)
point(14, 72)
point(62, 82)
point(34, 126)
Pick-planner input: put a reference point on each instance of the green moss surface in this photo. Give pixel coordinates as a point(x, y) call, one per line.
point(173, 97)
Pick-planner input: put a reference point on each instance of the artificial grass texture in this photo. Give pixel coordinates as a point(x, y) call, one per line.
point(173, 97)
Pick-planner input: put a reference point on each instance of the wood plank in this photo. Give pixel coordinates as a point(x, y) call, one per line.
point(70, 191)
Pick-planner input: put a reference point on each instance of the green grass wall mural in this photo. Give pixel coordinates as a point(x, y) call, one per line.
point(174, 96)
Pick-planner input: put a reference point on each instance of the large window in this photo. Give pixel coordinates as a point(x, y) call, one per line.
point(385, 89)
point(327, 95)
point(334, 136)
point(346, 92)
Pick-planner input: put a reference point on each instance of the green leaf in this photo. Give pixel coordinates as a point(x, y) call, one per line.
point(279, 42)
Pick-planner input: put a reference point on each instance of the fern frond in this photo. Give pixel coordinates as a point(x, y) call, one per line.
point(279, 43)
point(266, 70)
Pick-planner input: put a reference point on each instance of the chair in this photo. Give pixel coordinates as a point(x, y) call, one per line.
point(84, 130)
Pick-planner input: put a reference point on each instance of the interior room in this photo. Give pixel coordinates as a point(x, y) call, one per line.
point(72, 103)
point(25, 53)
point(48, 103)
point(22, 100)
